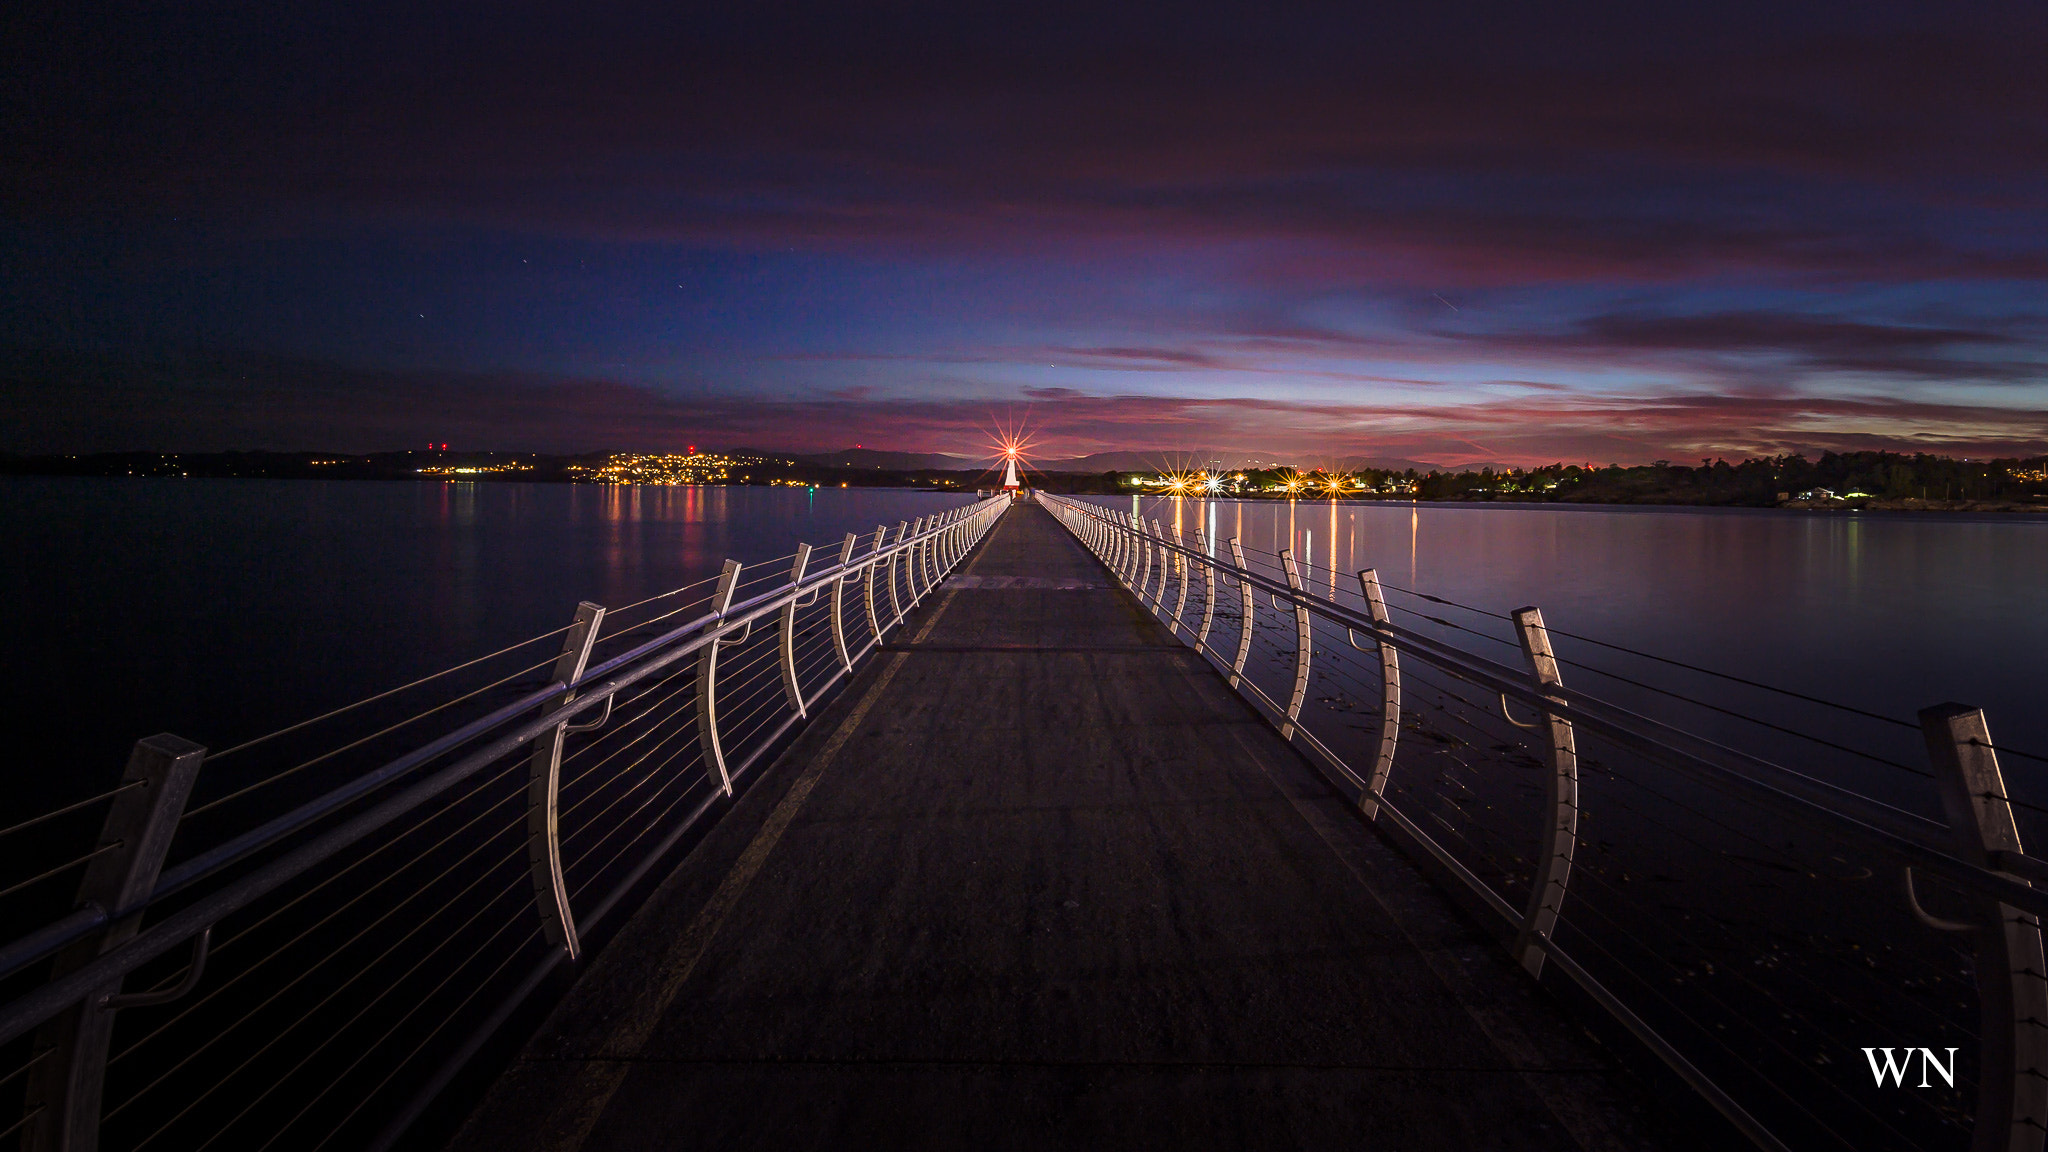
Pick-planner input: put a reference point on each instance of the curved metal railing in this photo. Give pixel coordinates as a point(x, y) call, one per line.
point(319, 977)
point(1730, 913)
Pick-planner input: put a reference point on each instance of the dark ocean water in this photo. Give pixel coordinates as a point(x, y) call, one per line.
point(222, 609)
point(1886, 612)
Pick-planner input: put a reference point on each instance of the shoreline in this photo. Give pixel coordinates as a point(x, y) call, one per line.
point(940, 485)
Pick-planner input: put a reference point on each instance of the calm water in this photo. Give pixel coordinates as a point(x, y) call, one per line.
point(1887, 612)
point(222, 609)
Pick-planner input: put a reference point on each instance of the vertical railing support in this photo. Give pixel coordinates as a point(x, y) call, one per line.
point(1158, 538)
point(874, 569)
point(2012, 981)
point(909, 550)
point(839, 602)
point(1143, 575)
point(1180, 563)
point(65, 1087)
point(707, 676)
point(1390, 698)
point(927, 555)
point(1561, 799)
point(1244, 632)
point(895, 603)
point(922, 560)
point(791, 690)
point(1303, 634)
point(1208, 590)
point(544, 790)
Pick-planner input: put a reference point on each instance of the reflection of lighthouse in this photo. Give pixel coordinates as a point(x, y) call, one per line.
point(1010, 483)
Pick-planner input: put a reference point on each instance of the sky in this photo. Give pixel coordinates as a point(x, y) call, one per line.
point(1606, 232)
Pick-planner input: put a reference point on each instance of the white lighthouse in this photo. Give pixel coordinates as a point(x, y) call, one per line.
point(1010, 482)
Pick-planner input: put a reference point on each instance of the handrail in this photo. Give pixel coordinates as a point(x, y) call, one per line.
point(1990, 863)
point(591, 690)
point(1576, 705)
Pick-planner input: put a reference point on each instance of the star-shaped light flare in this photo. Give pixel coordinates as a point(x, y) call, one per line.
point(1011, 441)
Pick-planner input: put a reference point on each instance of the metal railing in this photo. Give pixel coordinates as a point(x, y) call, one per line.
point(319, 977)
point(1756, 927)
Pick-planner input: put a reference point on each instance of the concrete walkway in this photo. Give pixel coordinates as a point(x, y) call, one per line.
point(1038, 879)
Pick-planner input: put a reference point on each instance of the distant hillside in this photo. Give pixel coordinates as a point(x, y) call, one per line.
point(1155, 461)
point(870, 458)
point(1139, 462)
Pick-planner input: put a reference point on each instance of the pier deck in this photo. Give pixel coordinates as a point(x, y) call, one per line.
point(1038, 878)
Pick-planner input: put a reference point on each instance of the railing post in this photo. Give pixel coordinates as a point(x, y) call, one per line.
point(61, 1108)
point(1143, 575)
point(1208, 590)
point(707, 676)
point(896, 603)
point(927, 555)
point(2012, 990)
point(792, 691)
point(1244, 634)
point(544, 790)
point(1158, 537)
point(910, 588)
point(1302, 636)
point(920, 561)
point(929, 550)
point(873, 569)
point(1390, 698)
point(839, 603)
point(1180, 561)
point(1561, 800)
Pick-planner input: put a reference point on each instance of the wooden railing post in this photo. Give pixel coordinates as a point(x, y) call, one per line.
point(544, 790)
point(2012, 981)
point(62, 1103)
point(1561, 800)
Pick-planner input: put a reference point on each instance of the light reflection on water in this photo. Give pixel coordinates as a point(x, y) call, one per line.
point(222, 608)
point(1888, 612)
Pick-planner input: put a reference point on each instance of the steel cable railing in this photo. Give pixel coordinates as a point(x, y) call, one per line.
point(1744, 921)
point(315, 976)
